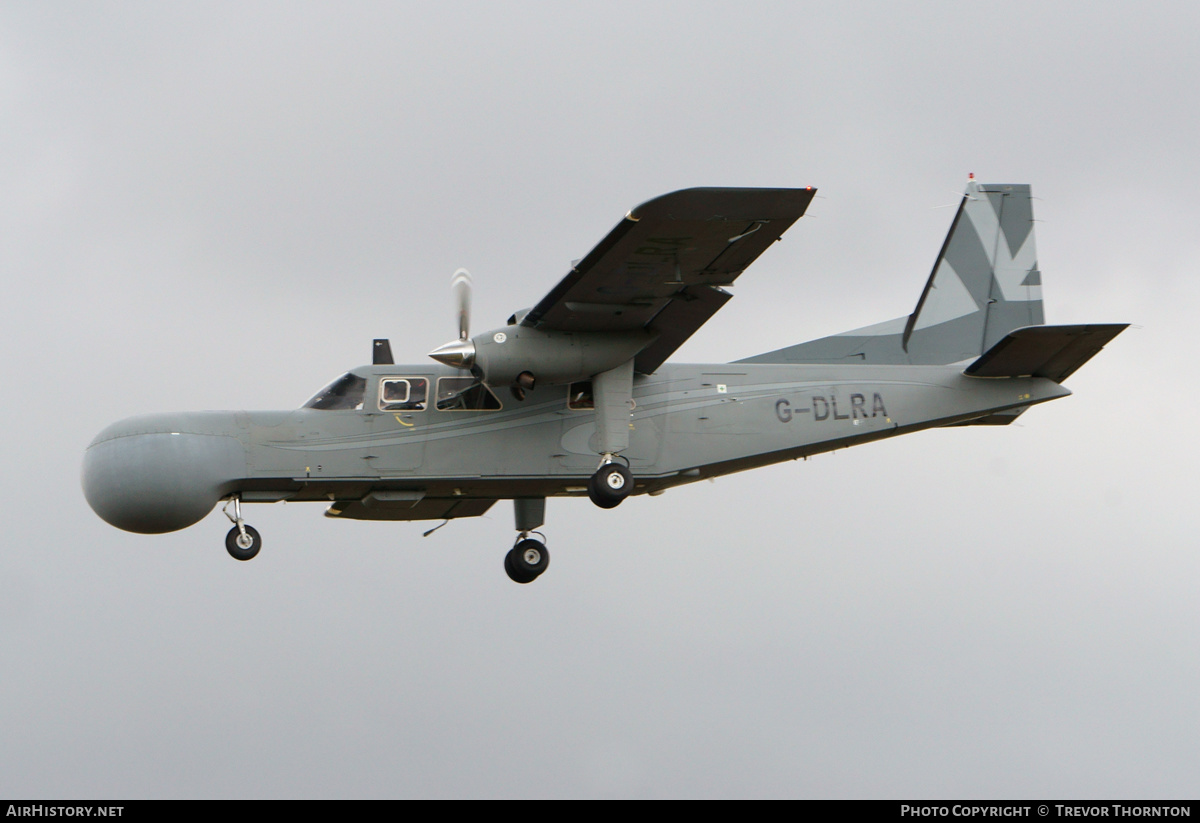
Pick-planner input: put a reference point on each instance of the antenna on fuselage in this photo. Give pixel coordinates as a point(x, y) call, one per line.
point(381, 352)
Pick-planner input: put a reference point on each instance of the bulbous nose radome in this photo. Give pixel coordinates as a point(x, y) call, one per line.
point(159, 482)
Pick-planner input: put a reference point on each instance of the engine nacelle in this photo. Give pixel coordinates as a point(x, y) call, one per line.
point(553, 357)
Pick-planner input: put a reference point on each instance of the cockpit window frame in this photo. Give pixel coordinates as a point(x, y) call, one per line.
point(474, 382)
point(408, 404)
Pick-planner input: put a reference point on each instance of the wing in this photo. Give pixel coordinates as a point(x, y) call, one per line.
point(662, 268)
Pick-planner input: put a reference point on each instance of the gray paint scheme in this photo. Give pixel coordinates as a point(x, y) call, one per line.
point(690, 422)
point(686, 422)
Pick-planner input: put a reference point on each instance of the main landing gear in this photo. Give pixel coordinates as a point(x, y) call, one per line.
point(243, 542)
point(613, 393)
point(611, 484)
point(528, 557)
point(526, 561)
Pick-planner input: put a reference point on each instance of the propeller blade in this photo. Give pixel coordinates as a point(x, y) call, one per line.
point(459, 353)
point(460, 285)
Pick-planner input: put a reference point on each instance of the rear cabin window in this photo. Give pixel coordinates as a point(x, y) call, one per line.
point(403, 393)
point(465, 394)
point(344, 393)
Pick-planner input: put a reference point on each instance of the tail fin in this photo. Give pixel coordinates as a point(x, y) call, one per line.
point(985, 283)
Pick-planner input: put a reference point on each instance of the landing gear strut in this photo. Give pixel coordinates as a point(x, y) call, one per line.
point(243, 542)
point(528, 557)
point(613, 390)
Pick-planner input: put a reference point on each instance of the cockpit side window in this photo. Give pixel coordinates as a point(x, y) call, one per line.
point(464, 394)
point(344, 393)
point(403, 393)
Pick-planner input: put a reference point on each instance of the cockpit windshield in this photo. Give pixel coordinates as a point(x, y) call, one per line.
point(344, 393)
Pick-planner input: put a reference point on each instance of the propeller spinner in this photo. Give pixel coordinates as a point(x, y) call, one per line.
point(459, 353)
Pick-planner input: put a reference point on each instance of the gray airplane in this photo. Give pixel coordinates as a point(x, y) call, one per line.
point(574, 397)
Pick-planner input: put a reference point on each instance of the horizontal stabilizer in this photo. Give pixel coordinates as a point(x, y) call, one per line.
point(1053, 352)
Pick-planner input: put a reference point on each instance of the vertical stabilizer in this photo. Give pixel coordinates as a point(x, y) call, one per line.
point(985, 283)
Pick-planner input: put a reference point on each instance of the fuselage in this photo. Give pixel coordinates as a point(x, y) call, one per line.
point(422, 433)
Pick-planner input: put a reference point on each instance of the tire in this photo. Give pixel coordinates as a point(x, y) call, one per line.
point(526, 561)
point(611, 484)
point(238, 552)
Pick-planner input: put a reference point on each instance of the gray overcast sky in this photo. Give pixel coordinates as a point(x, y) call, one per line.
point(219, 205)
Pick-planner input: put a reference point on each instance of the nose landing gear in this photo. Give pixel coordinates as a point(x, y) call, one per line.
point(243, 545)
point(243, 542)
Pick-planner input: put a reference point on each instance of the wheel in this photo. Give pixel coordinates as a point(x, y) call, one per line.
point(243, 548)
point(514, 574)
point(611, 484)
point(526, 561)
